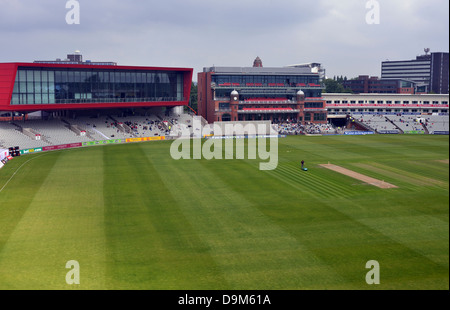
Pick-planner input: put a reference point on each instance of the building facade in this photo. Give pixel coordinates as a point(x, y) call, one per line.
point(365, 84)
point(260, 93)
point(429, 72)
point(339, 104)
point(28, 87)
point(439, 76)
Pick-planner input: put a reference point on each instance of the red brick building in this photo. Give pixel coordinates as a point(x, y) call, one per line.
point(365, 85)
point(259, 93)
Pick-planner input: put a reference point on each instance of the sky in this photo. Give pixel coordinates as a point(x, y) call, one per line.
point(348, 37)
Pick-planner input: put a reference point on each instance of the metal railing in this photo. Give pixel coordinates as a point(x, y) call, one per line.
point(109, 100)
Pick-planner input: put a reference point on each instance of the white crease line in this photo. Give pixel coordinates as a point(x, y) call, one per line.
point(18, 170)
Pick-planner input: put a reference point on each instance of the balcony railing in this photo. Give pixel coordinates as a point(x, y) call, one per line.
point(107, 100)
point(268, 111)
point(266, 85)
point(245, 102)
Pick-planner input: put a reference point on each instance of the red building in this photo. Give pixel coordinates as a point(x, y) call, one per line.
point(64, 86)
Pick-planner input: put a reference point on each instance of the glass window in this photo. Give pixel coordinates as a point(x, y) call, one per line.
point(45, 98)
point(51, 86)
point(179, 87)
point(30, 76)
point(15, 99)
point(48, 86)
point(22, 87)
point(107, 77)
point(16, 88)
point(37, 76)
point(51, 98)
point(150, 78)
point(30, 99)
point(138, 77)
point(70, 76)
point(37, 87)
point(30, 87)
point(84, 77)
point(58, 76)
point(77, 77)
point(22, 76)
point(101, 78)
point(37, 99)
point(44, 75)
point(63, 77)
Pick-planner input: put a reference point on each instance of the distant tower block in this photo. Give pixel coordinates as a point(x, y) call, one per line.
point(257, 62)
point(75, 57)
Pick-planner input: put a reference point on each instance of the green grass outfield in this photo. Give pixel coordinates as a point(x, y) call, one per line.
point(134, 218)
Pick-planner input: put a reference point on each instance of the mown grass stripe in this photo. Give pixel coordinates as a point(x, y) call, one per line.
point(151, 244)
point(405, 169)
point(63, 222)
point(392, 177)
point(325, 189)
point(341, 190)
point(310, 183)
point(240, 237)
point(305, 187)
point(16, 198)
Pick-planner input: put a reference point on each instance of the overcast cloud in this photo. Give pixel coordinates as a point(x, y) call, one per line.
point(200, 33)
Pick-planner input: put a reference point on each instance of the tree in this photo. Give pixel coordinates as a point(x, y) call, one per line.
point(333, 86)
point(193, 100)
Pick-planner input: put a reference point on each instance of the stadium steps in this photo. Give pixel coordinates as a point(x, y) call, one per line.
point(125, 129)
point(437, 123)
point(33, 131)
point(11, 135)
point(364, 125)
point(393, 123)
point(17, 126)
point(69, 126)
